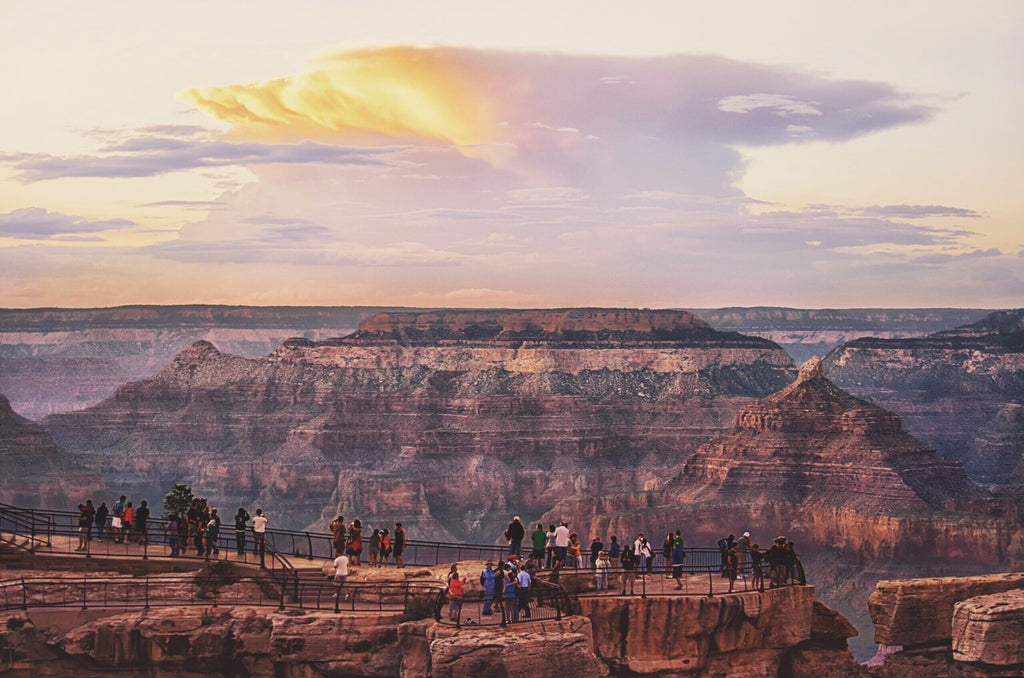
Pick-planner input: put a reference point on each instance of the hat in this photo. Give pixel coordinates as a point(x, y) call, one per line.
point(746, 534)
point(513, 557)
point(780, 538)
point(515, 518)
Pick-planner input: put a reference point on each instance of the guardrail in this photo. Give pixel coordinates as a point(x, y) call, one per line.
point(413, 598)
point(545, 600)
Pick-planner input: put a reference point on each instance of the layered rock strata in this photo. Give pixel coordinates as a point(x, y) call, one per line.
point(34, 472)
point(449, 421)
point(961, 391)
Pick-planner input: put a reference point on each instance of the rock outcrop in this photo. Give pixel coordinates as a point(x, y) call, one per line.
point(961, 627)
point(449, 421)
point(960, 391)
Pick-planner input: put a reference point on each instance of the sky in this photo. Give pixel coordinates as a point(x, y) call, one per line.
point(528, 154)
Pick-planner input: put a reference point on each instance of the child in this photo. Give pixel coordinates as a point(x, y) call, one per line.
point(601, 571)
point(456, 588)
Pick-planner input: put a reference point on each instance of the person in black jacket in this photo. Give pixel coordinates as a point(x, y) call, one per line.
point(515, 533)
point(241, 518)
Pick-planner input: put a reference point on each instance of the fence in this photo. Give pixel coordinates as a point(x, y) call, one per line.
point(413, 598)
point(546, 600)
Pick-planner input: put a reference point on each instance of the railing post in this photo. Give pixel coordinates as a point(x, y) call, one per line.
point(309, 540)
point(437, 553)
point(711, 584)
point(147, 594)
point(24, 595)
point(85, 592)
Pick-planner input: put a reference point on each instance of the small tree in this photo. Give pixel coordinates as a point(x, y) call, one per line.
point(180, 500)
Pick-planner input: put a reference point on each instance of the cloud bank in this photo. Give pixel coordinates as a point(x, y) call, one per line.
point(422, 176)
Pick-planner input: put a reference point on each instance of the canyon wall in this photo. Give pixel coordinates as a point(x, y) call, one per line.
point(59, 360)
point(451, 422)
point(960, 391)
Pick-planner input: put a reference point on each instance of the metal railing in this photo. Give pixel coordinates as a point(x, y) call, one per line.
point(544, 600)
point(411, 598)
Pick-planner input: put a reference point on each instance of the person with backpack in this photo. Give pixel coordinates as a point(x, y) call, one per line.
point(101, 520)
point(117, 522)
point(399, 545)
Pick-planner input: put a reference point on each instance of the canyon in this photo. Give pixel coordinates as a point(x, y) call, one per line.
point(451, 421)
point(56, 360)
point(960, 390)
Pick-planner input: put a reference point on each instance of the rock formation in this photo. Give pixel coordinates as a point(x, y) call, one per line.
point(962, 627)
point(34, 472)
point(449, 421)
point(960, 391)
point(59, 360)
point(832, 472)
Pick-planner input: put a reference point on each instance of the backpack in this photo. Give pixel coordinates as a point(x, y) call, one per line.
point(723, 544)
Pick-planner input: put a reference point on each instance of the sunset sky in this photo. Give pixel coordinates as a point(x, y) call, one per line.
point(527, 154)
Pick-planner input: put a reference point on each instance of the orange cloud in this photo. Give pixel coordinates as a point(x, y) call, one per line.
point(401, 92)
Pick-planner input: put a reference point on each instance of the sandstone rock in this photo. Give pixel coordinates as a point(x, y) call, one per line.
point(687, 635)
point(920, 611)
point(829, 625)
point(990, 629)
point(549, 649)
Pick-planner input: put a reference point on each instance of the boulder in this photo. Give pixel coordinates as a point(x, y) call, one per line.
point(920, 611)
point(990, 629)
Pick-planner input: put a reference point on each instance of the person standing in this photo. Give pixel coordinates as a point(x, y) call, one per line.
point(677, 557)
point(101, 520)
point(732, 564)
point(757, 563)
point(340, 574)
point(355, 542)
point(213, 534)
point(337, 528)
point(241, 518)
point(129, 522)
point(524, 581)
point(90, 511)
point(539, 540)
point(385, 548)
point(488, 580)
point(259, 534)
point(549, 545)
point(399, 545)
point(562, 542)
point(629, 563)
point(172, 534)
point(742, 549)
point(511, 603)
point(575, 550)
point(142, 522)
point(601, 572)
point(373, 548)
point(776, 558)
point(456, 590)
point(514, 533)
point(644, 553)
point(596, 546)
point(83, 529)
point(117, 522)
